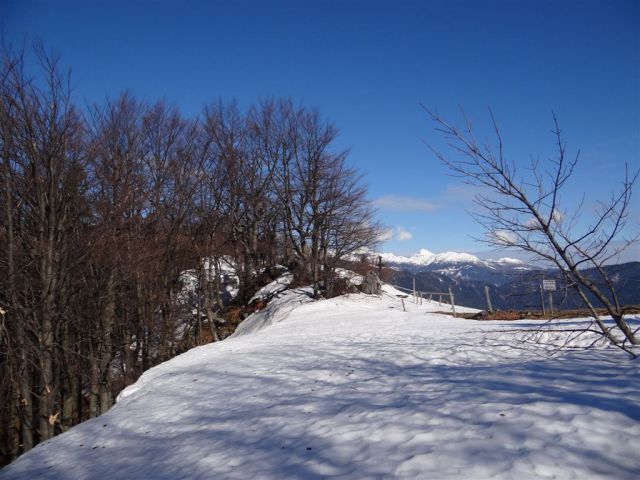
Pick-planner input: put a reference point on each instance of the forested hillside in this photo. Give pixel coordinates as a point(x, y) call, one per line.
point(103, 207)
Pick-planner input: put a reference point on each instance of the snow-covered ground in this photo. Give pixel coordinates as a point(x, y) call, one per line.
point(274, 288)
point(354, 387)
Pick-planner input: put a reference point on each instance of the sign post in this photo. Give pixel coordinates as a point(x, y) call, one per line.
point(549, 286)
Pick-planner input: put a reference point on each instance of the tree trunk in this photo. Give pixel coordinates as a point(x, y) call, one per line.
point(105, 346)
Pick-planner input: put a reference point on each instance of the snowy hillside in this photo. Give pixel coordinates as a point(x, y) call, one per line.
point(355, 387)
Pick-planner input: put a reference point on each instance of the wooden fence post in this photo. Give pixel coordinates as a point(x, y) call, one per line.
point(486, 291)
point(415, 299)
point(453, 305)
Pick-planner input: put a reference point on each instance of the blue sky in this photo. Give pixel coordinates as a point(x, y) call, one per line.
point(367, 66)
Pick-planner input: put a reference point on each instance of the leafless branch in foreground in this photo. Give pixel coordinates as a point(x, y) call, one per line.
point(523, 209)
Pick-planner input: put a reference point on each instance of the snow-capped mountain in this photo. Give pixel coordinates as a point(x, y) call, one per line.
point(457, 265)
point(425, 257)
point(511, 282)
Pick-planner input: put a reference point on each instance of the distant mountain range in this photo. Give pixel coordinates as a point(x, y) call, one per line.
point(426, 258)
point(513, 284)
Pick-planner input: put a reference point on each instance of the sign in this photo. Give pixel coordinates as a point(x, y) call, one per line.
point(549, 285)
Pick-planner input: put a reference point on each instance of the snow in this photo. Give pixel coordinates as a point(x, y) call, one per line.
point(425, 253)
point(455, 257)
point(355, 387)
point(275, 312)
point(425, 257)
point(274, 288)
point(353, 279)
point(228, 278)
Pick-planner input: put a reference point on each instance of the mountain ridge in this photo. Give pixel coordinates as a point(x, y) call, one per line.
point(512, 283)
point(425, 257)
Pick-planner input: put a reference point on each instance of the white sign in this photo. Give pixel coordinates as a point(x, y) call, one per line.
point(549, 285)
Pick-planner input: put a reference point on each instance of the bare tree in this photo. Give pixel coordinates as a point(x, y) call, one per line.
point(247, 181)
point(43, 183)
point(348, 225)
point(102, 213)
point(523, 208)
point(15, 368)
point(117, 197)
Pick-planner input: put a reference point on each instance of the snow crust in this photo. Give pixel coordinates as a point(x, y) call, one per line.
point(355, 387)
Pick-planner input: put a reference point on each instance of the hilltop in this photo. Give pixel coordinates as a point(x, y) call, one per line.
point(355, 387)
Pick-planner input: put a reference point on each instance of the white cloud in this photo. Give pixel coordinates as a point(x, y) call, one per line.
point(386, 235)
point(398, 233)
point(503, 237)
point(558, 216)
point(533, 224)
point(462, 192)
point(403, 235)
point(398, 203)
